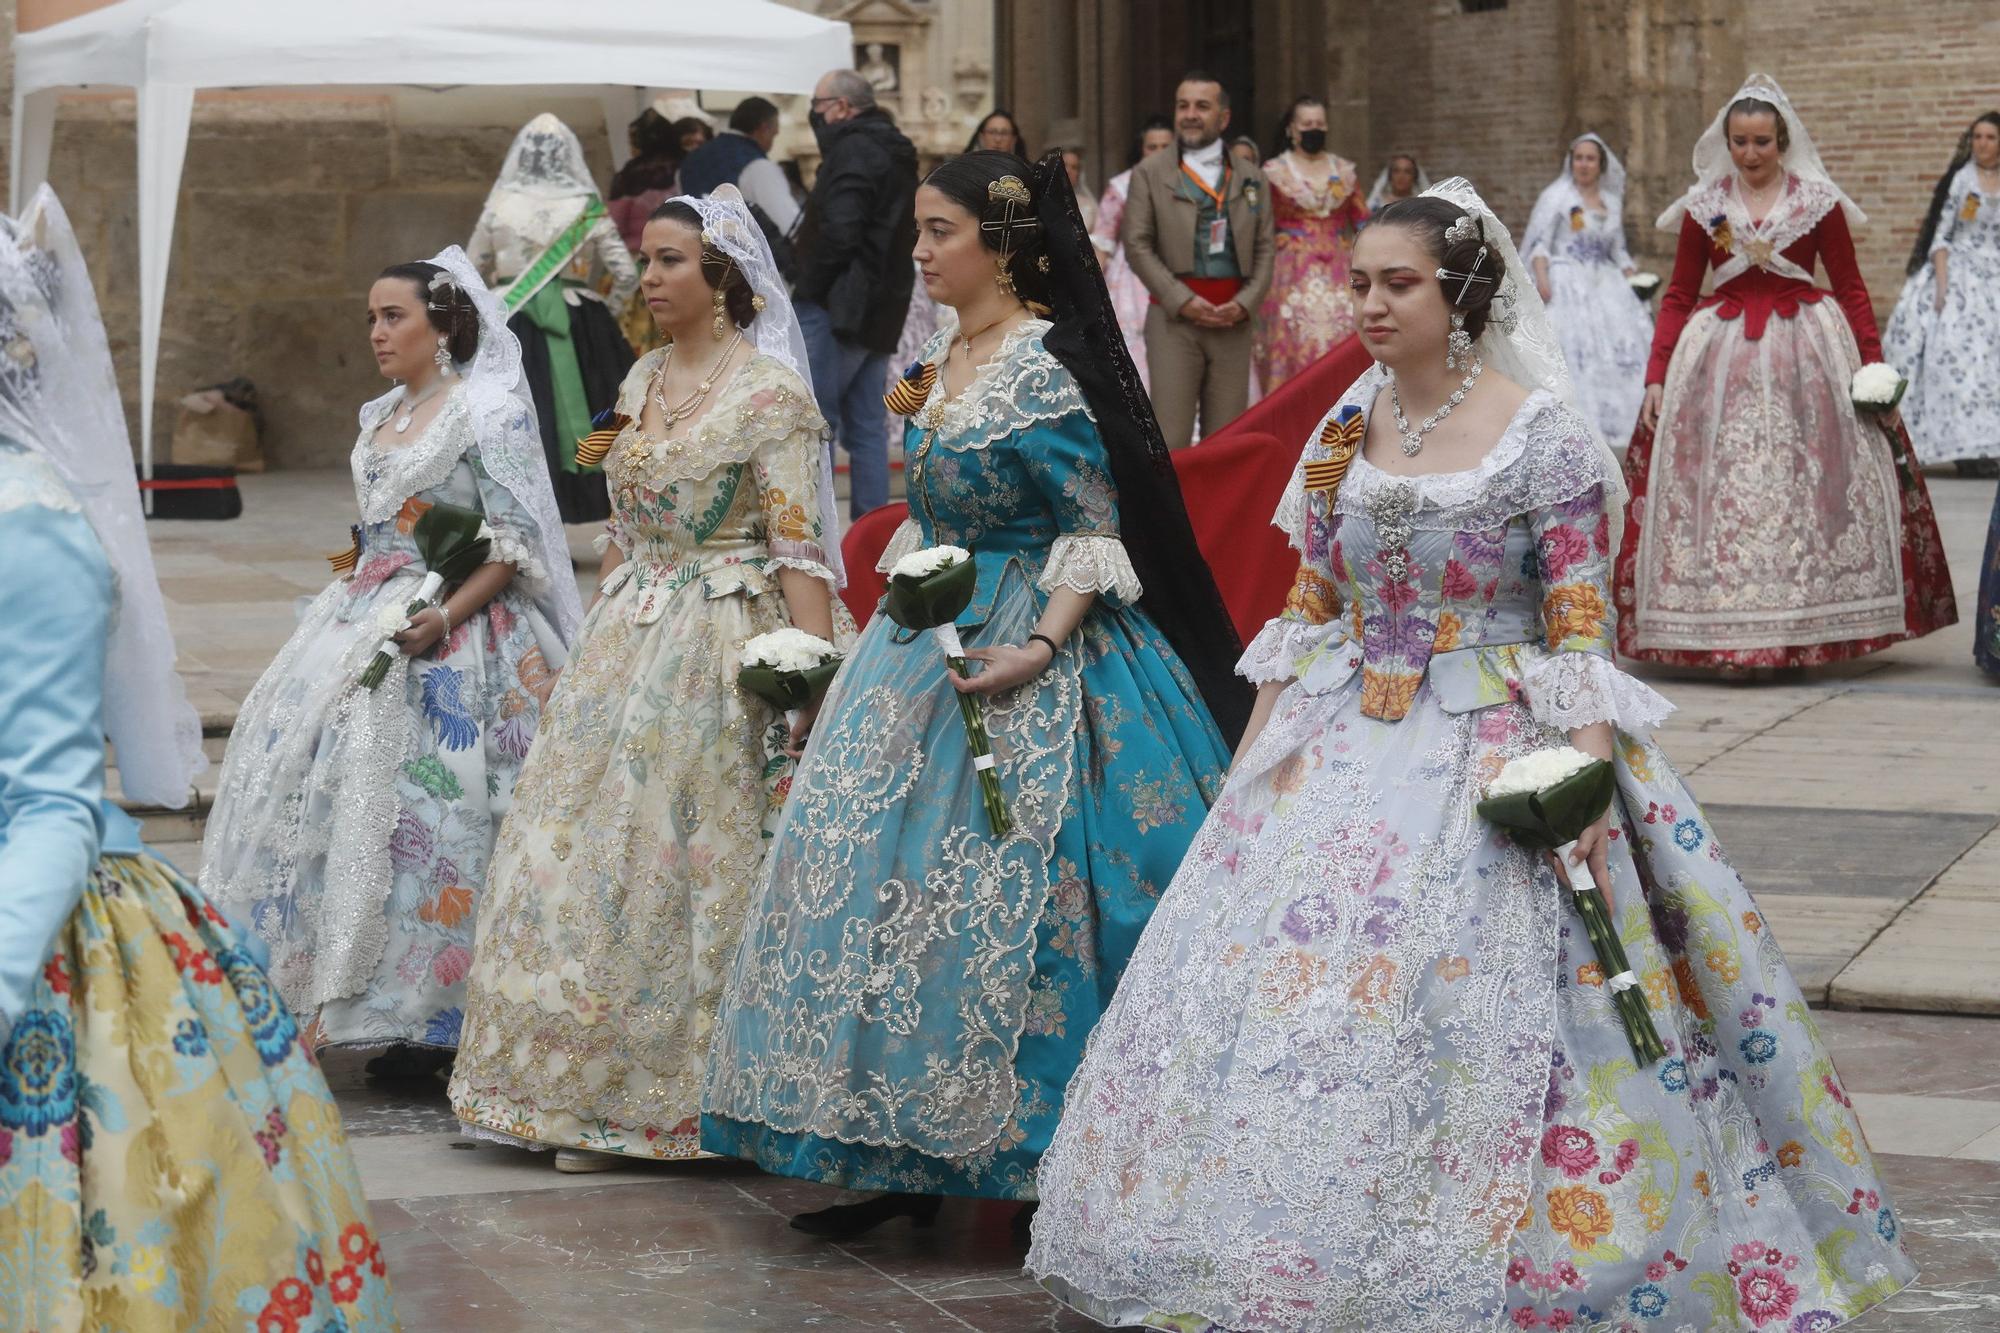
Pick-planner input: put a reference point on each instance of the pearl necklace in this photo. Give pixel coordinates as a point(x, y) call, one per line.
point(410, 405)
point(1413, 440)
point(673, 415)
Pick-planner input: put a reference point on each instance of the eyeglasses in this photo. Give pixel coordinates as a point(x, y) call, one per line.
point(817, 100)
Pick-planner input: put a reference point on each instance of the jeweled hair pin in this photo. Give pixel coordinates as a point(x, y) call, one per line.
point(1016, 205)
point(1466, 228)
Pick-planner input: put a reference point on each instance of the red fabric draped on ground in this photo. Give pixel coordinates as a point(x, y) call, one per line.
point(1232, 481)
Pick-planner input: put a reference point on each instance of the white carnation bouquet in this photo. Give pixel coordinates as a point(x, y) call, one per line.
point(1877, 387)
point(788, 668)
point(927, 591)
point(1644, 284)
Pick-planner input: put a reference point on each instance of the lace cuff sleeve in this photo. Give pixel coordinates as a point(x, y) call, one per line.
point(1089, 562)
point(1576, 689)
point(1274, 655)
point(806, 557)
point(906, 538)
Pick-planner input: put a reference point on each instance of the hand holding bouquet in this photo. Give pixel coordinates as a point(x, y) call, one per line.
point(927, 590)
point(1644, 285)
point(1877, 387)
point(453, 541)
point(788, 668)
point(1546, 800)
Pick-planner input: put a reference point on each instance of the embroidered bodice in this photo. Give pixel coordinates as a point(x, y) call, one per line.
point(1970, 223)
point(1302, 208)
point(1013, 470)
point(727, 504)
point(1489, 583)
point(517, 227)
point(1577, 234)
point(1762, 269)
point(395, 481)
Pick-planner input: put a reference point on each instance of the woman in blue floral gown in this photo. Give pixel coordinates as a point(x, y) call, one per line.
point(170, 1157)
point(352, 827)
point(1364, 1071)
point(911, 993)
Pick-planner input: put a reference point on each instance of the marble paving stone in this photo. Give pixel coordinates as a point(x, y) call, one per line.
point(1941, 954)
point(1923, 1126)
point(411, 1166)
point(1867, 853)
point(1941, 1056)
point(239, 586)
point(1975, 876)
point(1950, 1212)
point(1869, 752)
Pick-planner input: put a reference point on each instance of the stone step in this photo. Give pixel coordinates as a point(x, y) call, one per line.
point(182, 828)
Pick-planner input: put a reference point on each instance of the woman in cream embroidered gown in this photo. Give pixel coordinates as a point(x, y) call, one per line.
point(545, 203)
point(641, 818)
point(352, 827)
point(1945, 332)
point(1363, 1072)
point(1575, 246)
point(1772, 525)
point(911, 993)
point(170, 1157)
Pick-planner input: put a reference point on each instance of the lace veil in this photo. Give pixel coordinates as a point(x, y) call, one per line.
point(510, 442)
point(1378, 193)
point(726, 225)
point(546, 160)
point(59, 397)
point(1520, 342)
point(1713, 165)
point(1562, 195)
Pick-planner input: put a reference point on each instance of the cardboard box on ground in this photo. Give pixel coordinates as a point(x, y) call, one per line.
point(218, 428)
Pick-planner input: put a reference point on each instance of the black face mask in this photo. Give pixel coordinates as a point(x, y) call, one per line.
point(1312, 141)
point(818, 123)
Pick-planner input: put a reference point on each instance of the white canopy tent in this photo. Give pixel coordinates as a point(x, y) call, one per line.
point(167, 50)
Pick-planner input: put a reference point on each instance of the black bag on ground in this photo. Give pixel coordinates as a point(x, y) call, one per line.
point(182, 490)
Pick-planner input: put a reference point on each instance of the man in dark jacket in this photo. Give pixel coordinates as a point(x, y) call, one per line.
point(855, 272)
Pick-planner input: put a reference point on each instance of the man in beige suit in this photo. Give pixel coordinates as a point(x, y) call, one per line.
point(1197, 231)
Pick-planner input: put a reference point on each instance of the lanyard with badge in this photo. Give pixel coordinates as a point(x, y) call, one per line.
point(1218, 230)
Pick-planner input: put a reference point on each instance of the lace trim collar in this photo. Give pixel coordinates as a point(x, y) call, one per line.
point(1022, 384)
point(763, 401)
point(384, 478)
point(1794, 215)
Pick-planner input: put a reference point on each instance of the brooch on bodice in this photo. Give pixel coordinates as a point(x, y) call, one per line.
point(1391, 510)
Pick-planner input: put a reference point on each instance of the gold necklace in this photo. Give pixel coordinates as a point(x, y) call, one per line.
point(672, 415)
point(967, 340)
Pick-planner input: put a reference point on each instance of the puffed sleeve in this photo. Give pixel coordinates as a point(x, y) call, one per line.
point(1311, 615)
point(1066, 462)
point(51, 734)
point(787, 468)
point(516, 538)
point(1578, 683)
point(1539, 239)
point(1843, 271)
point(1691, 255)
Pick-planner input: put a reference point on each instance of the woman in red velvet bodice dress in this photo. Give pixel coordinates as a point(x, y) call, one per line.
point(1771, 525)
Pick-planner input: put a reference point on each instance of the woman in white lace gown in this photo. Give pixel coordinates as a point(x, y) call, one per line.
point(1363, 1071)
point(1945, 332)
point(353, 826)
point(1575, 244)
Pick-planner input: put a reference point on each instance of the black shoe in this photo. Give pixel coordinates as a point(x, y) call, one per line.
point(402, 1066)
point(846, 1220)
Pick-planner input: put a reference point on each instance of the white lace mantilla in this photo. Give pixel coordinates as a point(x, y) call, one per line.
point(1090, 562)
point(27, 480)
point(1022, 384)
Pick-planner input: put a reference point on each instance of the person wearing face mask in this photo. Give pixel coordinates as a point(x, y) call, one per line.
point(1773, 524)
point(1128, 294)
point(1316, 208)
point(853, 255)
point(1198, 233)
point(1575, 246)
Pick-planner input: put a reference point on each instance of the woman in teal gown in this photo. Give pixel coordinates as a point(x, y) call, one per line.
point(911, 993)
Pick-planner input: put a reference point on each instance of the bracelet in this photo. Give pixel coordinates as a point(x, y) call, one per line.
point(1043, 638)
point(444, 614)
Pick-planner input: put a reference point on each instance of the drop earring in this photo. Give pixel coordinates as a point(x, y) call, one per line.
point(721, 324)
point(1457, 347)
point(1005, 280)
point(443, 356)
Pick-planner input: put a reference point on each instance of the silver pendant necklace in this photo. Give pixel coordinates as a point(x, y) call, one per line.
point(1413, 440)
point(410, 405)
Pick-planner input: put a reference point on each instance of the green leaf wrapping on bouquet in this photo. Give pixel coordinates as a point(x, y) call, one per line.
point(447, 536)
point(926, 603)
point(786, 690)
point(1548, 818)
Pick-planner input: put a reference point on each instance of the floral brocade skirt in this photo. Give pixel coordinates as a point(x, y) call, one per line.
point(170, 1157)
point(912, 995)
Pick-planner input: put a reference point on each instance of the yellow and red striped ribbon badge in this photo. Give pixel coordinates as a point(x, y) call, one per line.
point(912, 391)
point(1341, 438)
point(592, 448)
point(343, 562)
